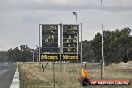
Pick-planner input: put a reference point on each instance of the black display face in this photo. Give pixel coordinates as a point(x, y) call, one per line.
point(50, 38)
point(70, 34)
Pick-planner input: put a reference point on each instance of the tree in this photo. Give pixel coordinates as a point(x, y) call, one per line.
point(26, 54)
point(116, 44)
point(3, 56)
point(88, 54)
point(23, 54)
point(96, 47)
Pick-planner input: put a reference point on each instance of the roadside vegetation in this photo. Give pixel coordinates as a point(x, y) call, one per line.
point(31, 76)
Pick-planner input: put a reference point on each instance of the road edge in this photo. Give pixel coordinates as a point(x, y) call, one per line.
point(15, 81)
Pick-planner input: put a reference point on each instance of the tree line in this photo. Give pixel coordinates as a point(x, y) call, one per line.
point(18, 54)
point(117, 48)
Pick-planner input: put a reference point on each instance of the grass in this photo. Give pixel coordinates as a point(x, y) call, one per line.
point(31, 76)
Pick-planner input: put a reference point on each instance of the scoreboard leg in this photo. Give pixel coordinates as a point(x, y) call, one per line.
point(53, 75)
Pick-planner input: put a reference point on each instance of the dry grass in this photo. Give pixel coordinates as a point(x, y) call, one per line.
point(68, 77)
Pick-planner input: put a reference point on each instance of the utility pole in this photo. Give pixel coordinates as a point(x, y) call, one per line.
point(39, 45)
point(61, 45)
point(33, 55)
point(75, 13)
point(81, 44)
point(102, 71)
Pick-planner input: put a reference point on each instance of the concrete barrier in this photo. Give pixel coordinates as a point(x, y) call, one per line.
point(15, 81)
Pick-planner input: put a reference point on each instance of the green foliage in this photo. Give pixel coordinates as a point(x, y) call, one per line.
point(88, 54)
point(116, 44)
point(23, 54)
point(96, 46)
point(3, 56)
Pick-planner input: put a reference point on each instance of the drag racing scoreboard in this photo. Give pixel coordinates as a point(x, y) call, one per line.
point(54, 36)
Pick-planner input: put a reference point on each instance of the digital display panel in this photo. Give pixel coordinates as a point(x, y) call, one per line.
point(70, 37)
point(50, 38)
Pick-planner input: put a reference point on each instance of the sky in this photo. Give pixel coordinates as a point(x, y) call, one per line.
point(20, 19)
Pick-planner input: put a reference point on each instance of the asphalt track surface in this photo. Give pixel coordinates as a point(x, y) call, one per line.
point(7, 71)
